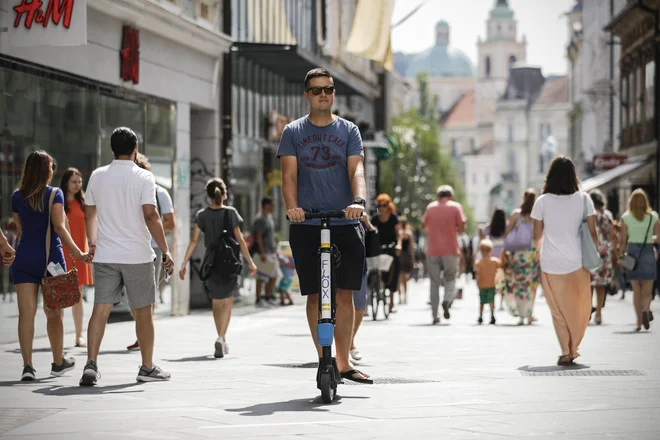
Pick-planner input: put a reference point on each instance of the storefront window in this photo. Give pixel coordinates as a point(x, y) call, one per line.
point(38, 113)
point(159, 144)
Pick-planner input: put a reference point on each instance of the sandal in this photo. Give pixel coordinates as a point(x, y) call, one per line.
point(350, 375)
point(564, 360)
point(80, 342)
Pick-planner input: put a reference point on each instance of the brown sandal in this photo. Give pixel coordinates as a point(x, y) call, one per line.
point(564, 360)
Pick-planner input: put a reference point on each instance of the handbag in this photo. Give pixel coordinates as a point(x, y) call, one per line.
point(60, 291)
point(590, 257)
point(630, 263)
point(520, 237)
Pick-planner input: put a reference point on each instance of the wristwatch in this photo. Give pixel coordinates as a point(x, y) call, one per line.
point(359, 201)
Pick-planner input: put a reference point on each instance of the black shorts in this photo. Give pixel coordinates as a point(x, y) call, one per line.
point(305, 241)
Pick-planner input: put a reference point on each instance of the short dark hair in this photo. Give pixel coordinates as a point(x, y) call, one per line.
point(266, 201)
point(598, 198)
point(562, 178)
point(123, 141)
point(315, 73)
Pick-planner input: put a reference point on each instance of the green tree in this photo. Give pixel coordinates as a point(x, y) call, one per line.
point(414, 174)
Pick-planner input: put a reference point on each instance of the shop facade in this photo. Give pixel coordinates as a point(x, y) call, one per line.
point(146, 65)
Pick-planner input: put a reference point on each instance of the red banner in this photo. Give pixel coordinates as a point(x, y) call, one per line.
point(130, 55)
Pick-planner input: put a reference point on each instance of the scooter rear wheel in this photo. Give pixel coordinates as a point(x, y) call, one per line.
point(325, 384)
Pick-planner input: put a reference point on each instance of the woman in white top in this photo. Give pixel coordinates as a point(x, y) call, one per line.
point(558, 215)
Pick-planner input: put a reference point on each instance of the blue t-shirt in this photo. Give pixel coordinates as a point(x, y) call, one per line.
point(287, 271)
point(322, 154)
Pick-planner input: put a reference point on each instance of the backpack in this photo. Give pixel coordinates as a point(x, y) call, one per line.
point(223, 256)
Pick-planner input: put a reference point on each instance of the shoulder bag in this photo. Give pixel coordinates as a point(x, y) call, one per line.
point(591, 260)
point(627, 261)
point(520, 236)
point(60, 291)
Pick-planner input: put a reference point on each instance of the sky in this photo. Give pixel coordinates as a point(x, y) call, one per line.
point(542, 21)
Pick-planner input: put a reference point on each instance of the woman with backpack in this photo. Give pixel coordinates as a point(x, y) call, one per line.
point(222, 233)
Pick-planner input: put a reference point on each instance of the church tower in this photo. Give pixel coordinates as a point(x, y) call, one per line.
point(497, 53)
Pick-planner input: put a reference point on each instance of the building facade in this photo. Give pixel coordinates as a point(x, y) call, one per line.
point(633, 26)
point(154, 66)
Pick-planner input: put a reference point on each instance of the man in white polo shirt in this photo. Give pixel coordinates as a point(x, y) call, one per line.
point(121, 219)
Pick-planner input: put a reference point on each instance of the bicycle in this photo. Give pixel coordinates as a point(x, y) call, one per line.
point(327, 375)
point(378, 291)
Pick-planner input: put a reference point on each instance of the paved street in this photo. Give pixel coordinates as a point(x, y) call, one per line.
point(456, 380)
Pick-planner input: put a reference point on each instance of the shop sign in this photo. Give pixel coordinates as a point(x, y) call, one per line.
point(603, 162)
point(47, 22)
point(130, 55)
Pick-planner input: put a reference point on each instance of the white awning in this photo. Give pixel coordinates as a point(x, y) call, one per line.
point(611, 176)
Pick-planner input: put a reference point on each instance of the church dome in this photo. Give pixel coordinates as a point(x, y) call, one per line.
point(501, 10)
point(441, 60)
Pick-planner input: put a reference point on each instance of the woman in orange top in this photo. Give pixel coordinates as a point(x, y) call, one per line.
point(74, 207)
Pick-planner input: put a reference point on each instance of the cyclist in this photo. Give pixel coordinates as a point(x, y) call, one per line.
point(323, 169)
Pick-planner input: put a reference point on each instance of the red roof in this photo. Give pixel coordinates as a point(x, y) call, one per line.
point(463, 112)
point(554, 90)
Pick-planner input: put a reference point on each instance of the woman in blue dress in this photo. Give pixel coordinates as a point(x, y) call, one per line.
point(30, 212)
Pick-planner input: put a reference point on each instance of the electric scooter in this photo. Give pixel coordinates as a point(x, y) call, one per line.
point(327, 375)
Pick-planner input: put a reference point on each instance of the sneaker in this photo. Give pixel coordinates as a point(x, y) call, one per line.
point(480, 320)
point(154, 374)
point(445, 308)
point(134, 347)
point(436, 321)
point(492, 320)
point(219, 349)
point(261, 303)
point(28, 373)
point(67, 365)
point(90, 375)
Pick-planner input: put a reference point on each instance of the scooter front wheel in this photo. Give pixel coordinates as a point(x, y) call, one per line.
point(327, 390)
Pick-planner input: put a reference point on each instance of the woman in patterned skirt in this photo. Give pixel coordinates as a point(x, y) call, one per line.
point(604, 276)
point(521, 269)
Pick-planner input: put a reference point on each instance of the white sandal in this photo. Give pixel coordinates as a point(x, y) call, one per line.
point(356, 355)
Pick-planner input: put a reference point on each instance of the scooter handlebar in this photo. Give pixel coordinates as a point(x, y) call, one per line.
point(327, 214)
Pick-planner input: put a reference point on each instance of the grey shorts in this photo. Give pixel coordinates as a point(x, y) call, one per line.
point(138, 279)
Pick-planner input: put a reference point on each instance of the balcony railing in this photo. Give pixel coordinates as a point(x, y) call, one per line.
point(638, 134)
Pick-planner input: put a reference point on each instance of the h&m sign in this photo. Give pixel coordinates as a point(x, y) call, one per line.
point(130, 55)
point(46, 22)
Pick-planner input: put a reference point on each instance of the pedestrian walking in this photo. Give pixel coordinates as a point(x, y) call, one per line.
point(165, 208)
point(220, 224)
point(12, 241)
point(603, 278)
point(495, 231)
point(406, 258)
point(37, 209)
point(443, 220)
point(71, 186)
point(521, 268)
point(360, 296)
point(288, 269)
point(322, 160)
point(485, 270)
point(264, 252)
point(122, 216)
point(639, 226)
point(558, 216)
point(389, 227)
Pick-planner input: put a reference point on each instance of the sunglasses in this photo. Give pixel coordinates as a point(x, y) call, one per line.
point(329, 90)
